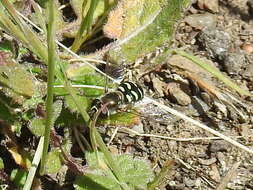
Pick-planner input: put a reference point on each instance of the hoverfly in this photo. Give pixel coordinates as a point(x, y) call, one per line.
point(126, 93)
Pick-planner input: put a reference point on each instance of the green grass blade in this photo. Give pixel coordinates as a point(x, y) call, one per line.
point(41, 19)
point(85, 26)
point(31, 38)
point(7, 24)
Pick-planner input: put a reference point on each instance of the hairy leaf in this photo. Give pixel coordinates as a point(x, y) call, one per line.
point(37, 126)
point(53, 161)
point(136, 173)
point(148, 24)
point(121, 118)
point(71, 104)
point(16, 81)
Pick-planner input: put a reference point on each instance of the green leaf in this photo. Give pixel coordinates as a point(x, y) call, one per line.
point(74, 71)
point(18, 176)
point(57, 108)
point(83, 75)
point(82, 100)
point(136, 173)
point(148, 24)
point(53, 163)
point(37, 126)
point(78, 4)
point(6, 46)
point(16, 81)
point(89, 77)
point(127, 119)
point(5, 112)
point(1, 163)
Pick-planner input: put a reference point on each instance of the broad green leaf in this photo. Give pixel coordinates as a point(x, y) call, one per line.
point(53, 163)
point(99, 181)
point(83, 75)
point(136, 173)
point(82, 100)
point(95, 163)
point(121, 119)
point(144, 30)
point(16, 81)
point(37, 126)
point(74, 71)
point(95, 80)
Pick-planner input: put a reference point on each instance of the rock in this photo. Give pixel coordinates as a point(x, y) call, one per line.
point(189, 182)
point(218, 146)
point(223, 162)
point(233, 63)
point(200, 21)
point(248, 72)
point(216, 42)
point(158, 86)
point(211, 5)
point(177, 94)
point(138, 128)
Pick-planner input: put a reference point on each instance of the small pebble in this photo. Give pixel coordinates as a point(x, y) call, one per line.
point(218, 146)
point(211, 5)
point(247, 47)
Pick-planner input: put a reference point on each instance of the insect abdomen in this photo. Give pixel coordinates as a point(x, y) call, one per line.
point(131, 92)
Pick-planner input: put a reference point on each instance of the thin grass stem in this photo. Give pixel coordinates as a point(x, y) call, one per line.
point(50, 81)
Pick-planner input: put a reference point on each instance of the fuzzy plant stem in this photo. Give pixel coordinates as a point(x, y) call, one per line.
point(50, 82)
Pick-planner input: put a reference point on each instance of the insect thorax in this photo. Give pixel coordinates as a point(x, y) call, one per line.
point(107, 103)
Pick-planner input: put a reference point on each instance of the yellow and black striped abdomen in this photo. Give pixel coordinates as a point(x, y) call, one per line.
point(132, 92)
